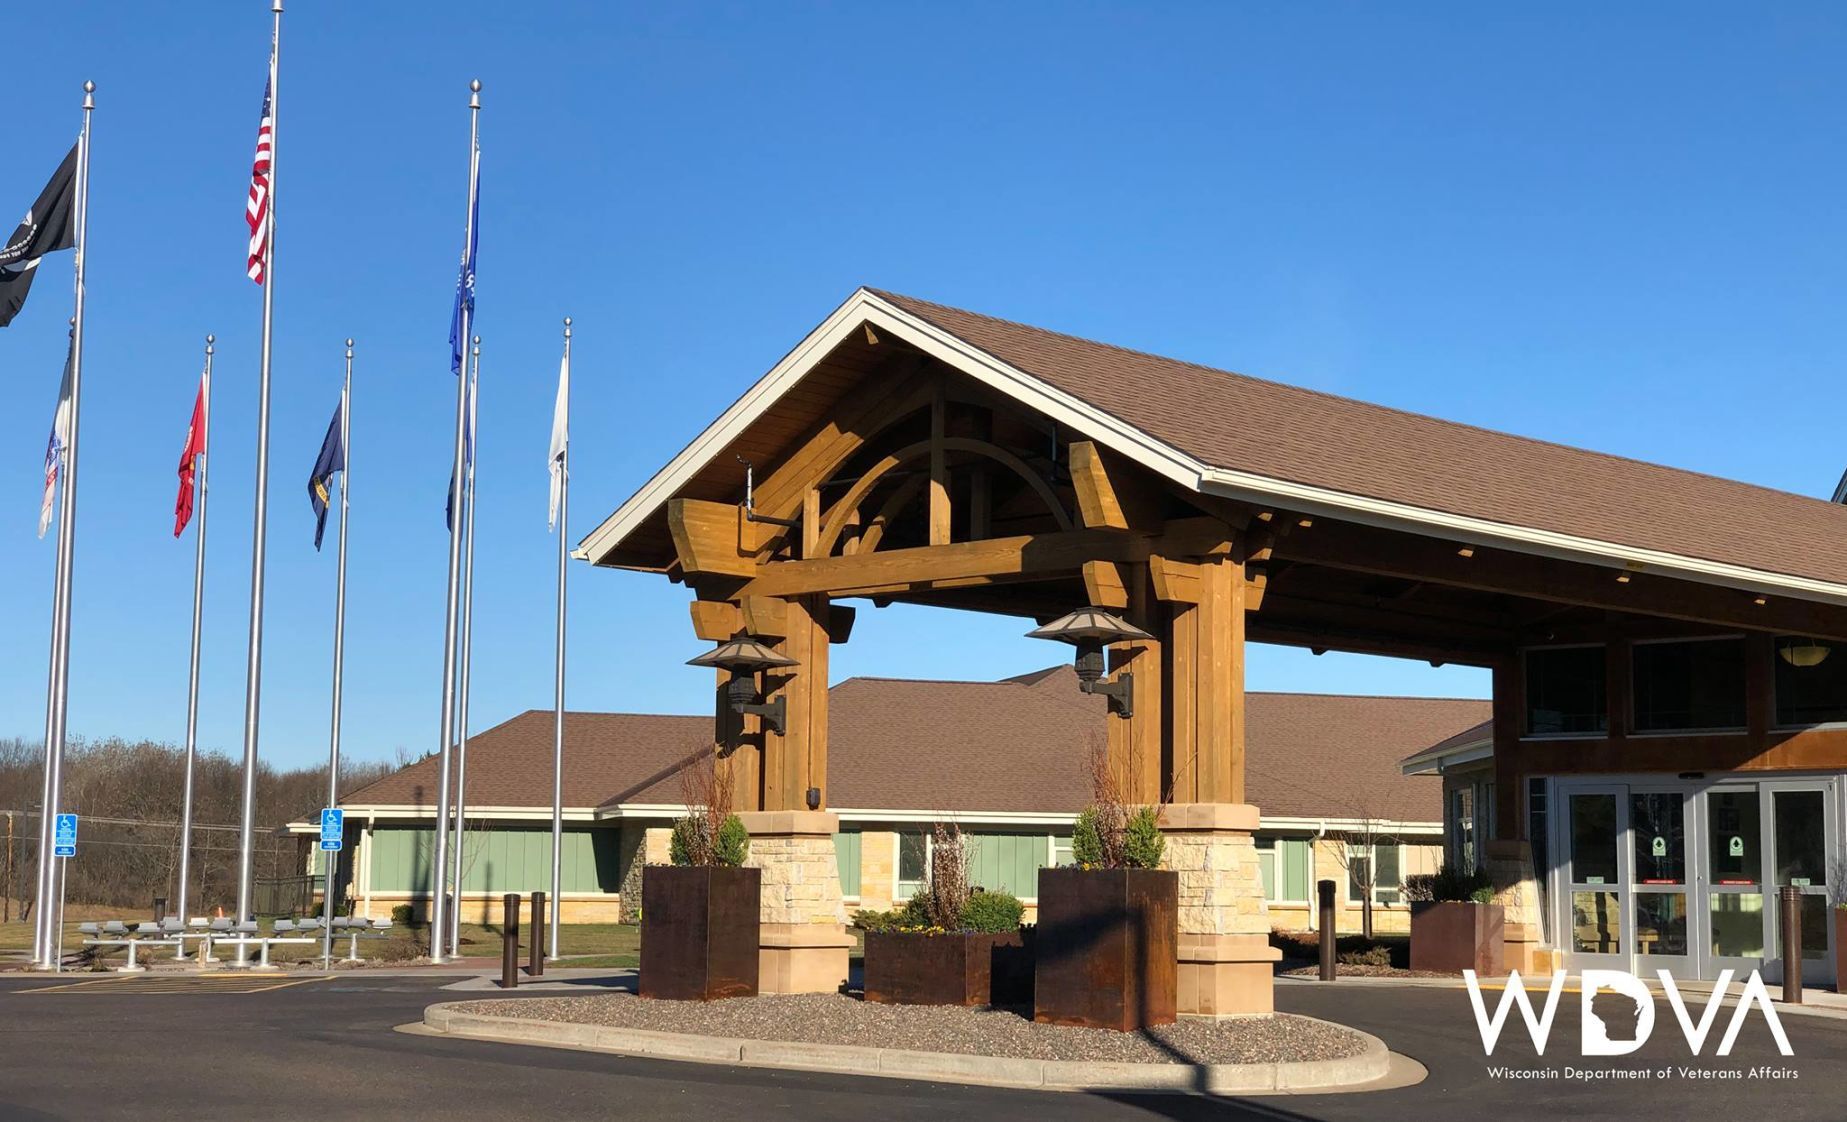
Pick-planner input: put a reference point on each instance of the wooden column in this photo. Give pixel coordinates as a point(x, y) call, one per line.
point(797, 759)
point(1206, 687)
point(1135, 741)
point(1509, 708)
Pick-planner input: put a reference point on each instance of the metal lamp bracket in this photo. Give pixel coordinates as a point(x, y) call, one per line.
point(1121, 693)
point(774, 714)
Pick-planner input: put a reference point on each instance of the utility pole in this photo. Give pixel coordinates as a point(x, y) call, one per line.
point(6, 894)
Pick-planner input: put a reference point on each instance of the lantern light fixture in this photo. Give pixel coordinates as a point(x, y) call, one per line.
point(744, 657)
point(1090, 629)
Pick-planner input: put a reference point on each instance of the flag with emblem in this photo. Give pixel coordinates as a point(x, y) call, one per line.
point(59, 445)
point(331, 459)
point(50, 224)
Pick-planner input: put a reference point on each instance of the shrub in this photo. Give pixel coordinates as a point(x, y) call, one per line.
point(1087, 840)
point(1371, 956)
point(1142, 844)
point(1450, 884)
point(689, 845)
point(733, 842)
point(403, 915)
point(866, 919)
point(991, 913)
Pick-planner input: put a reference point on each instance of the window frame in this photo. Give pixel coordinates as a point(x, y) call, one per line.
point(1370, 854)
point(1777, 724)
point(1526, 705)
point(1633, 716)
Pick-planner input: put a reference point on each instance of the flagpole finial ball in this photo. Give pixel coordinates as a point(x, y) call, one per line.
point(474, 86)
point(349, 340)
point(210, 339)
point(477, 340)
point(567, 321)
point(89, 87)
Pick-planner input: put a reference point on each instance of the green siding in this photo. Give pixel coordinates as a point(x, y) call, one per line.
point(1007, 862)
point(846, 851)
point(1293, 858)
point(502, 859)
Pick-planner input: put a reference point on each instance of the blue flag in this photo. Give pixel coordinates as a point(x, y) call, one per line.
point(468, 455)
point(331, 459)
point(465, 279)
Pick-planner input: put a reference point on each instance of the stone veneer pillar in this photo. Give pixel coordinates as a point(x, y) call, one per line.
point(803, 944)
point(1516, 890)
point(1225, 956)
point(878, 869)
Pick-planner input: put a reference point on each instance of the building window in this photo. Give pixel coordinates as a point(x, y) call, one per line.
point(1811, 682)
point(1061, 852)
point(1564, 691)
point(1383, 865)
point(1682, 686)
point(1462, 827)
point(913, 863)
point(1266, 865)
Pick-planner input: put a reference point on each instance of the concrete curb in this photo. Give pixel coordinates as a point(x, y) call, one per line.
point(1296, 1077)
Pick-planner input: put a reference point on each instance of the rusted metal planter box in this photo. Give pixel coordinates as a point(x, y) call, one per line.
point(1107, 948)
point(907, 968)
point(699, 929)
point(1840, 949)
point(1452, 936)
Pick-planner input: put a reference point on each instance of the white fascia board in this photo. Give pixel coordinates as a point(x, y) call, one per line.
point(1021, 818)
point(1433, 762)
point(384, 811)
point(1271, 823)
point(1162, 459)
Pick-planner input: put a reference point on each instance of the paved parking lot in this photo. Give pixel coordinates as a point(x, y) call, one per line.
point(327, 1048)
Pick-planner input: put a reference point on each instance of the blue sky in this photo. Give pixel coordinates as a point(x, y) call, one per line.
point(1621, 230)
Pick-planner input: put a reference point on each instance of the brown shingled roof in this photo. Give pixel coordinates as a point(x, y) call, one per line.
point(1237, 422)
point(1009, 746)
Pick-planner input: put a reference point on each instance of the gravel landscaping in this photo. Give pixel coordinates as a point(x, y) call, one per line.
point(837, 1019)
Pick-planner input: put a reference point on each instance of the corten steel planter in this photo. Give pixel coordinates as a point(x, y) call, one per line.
point(1107, 948)
point(959, 968)
point(1451, 936)
point(699, 929)
point(1840, 949)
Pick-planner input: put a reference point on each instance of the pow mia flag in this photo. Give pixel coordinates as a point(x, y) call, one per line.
point(50, 225)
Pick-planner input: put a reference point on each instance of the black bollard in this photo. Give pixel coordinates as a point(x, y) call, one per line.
point(1792, 944)
point(535, 951)
point(1325, 890)
point(509, 941)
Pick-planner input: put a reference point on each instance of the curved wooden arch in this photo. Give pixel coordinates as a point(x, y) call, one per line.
point(869, 538)
point(836, 522)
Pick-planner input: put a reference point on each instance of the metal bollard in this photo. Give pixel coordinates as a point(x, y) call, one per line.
point(1791, 919)
point(1325, 891)
point(535, 950)
point(509, 941)
point(160, 908)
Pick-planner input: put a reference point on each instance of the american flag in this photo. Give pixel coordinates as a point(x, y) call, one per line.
point(256, 211)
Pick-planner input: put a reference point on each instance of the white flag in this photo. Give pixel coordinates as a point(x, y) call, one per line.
point(56, 447)
point(561, 428)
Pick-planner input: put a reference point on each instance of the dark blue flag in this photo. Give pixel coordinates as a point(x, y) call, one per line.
point(468, 455)
point(331, 459)
point(465, 279)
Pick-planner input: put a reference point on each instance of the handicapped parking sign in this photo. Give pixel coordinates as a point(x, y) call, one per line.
point(64, 836)
point(333, 823)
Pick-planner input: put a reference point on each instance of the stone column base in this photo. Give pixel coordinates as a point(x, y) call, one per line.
point(1520, 946)
point(1225, 961)
point(802, 958)
point(803, 944)
point(1223, 976)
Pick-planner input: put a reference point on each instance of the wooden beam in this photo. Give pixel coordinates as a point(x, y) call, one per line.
point(708, 536)
point(932, 566)
point(716, 620)
point(1355, 641)
point(1103, 585)
point(1096, 496)
point(811, 521)
point(1175, 582)
point(862, 414)
point(765, 616)
point(939, 468)
point(1361, 549)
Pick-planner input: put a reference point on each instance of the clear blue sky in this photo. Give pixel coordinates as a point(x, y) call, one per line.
point(1618, 230)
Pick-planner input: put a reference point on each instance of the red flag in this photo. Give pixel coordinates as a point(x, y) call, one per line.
point(195, 447)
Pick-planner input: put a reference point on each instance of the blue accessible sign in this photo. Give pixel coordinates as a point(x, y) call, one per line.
point(64, 836)
point(333, 826)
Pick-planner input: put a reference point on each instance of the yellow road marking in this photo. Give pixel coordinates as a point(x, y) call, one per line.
point(200, 983)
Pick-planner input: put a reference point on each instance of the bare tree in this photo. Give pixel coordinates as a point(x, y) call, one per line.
point(1359, 856)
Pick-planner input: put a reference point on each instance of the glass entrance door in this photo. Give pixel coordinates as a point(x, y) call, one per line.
point(1734, 880)
point(1659, 883)
point(1801, 822)
point(1597, 933)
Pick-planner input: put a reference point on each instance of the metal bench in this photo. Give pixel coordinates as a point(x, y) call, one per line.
point(115, 933)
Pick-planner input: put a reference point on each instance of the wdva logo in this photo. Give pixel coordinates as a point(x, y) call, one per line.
point(1593, 1036)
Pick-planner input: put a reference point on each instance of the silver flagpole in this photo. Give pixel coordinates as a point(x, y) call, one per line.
point(564, 508)
point(67, 525)
point(200, 494)
point(468, 632)
point(253, 674)
point(439, 868)
point(332, 858)
point(43, 887)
